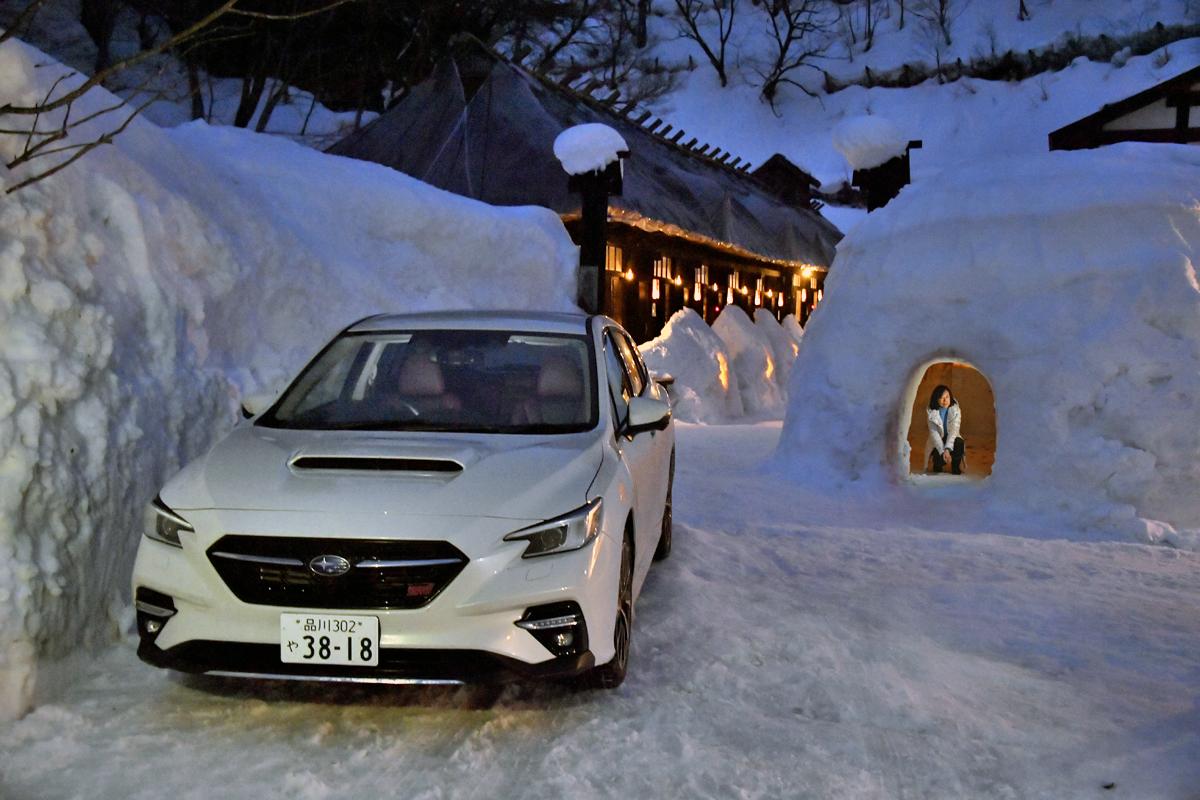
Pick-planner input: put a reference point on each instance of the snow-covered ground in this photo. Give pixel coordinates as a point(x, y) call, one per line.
point(789, 647)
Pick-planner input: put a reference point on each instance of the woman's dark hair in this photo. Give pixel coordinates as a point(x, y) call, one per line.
point(937, 393)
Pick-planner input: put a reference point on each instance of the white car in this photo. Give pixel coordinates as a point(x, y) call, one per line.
point(436, 498)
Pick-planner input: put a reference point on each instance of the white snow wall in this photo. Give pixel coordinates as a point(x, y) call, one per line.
point(1068, 280)
point(145, 287)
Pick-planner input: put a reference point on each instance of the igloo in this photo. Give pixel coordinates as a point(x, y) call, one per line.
point(1068, 281)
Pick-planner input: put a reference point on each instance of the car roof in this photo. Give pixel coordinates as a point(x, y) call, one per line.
point(541, 321)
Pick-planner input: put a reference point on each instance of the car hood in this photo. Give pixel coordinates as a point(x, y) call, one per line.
point(526, 478)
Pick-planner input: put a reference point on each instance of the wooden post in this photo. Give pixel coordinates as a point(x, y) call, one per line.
point(594, 189)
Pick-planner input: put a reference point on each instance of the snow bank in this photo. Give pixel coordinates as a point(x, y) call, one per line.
point(867, 142)
point(752, 361)
point(1068, 280)
point(706, 388)
point(143, 288)
point(588, 148)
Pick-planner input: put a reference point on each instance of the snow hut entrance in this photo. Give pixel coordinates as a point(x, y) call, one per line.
point(978, 408)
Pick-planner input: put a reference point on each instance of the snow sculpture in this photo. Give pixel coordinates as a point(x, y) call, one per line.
point(752, 361)
point(588, 148)
point(792, 326)
point(867, 142)
point(1067, 279)
point(705, 388)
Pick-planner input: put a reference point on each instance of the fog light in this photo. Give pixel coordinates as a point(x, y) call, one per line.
point(559, 627)
point(153, 611)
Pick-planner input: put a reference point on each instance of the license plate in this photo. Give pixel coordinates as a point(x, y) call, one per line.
point(329, 639)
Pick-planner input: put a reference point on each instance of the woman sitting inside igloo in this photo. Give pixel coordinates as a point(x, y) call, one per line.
point(945, 421)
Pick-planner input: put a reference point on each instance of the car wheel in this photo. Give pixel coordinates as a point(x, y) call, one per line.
point(611, 675)
point(664, 539)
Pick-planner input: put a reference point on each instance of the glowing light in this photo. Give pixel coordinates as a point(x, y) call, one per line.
point(723, 371)
point(807, 272)
point(696, 294)
point(745, 290)
point(820, 295)
point(654, 290)
point(779, 299)
point(758, 298)
point(678, 280)
point(629, 274)
point(804, 295)
point(770, 292)
point(770, 370)
point(714, 287)
point(729, 296)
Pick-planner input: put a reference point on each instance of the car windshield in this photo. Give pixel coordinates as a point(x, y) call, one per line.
point(445, 380)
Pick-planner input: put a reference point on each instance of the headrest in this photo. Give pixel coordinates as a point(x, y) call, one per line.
point(420, 377)
point(560, 377)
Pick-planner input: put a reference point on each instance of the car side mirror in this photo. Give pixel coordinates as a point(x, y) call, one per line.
point(665, 378)
point(255, 404)
point(646, 414)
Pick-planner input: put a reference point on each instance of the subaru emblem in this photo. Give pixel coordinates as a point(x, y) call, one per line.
point(329, 566)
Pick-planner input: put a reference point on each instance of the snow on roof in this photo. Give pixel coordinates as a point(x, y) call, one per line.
point(588, 148)
point(868, 141)
point(1068, 280)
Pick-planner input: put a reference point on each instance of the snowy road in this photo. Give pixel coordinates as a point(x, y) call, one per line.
point(789, 648)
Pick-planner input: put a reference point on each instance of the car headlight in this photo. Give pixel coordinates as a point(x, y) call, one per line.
point(562, 534)
point(163, 525)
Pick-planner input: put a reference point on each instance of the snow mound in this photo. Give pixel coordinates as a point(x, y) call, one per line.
point(752, 360)
point(144, 288)
point(784, 348)
point(1068, 280)
point(588, 148)
point(792, 326)
point(705, 388)
point(867, 142)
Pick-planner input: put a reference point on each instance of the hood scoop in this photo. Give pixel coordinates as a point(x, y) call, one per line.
point(374, 464)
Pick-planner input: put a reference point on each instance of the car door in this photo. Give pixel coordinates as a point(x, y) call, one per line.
point(637, 452)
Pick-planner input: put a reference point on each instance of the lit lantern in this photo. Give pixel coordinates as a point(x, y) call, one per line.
point(757, 298)
point(679, 280)
point(629, 274)
point(654, 290)
point(745, 290)
point(820, 294)
point(804, 295)
point(714, 287)
point(779, 300)
point(729, 296)
point(696, 293)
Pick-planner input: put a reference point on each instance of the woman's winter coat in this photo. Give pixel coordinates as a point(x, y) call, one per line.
point(939, 439)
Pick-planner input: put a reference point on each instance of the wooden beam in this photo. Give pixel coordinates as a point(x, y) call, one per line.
point(691, 143)
point(1189, 98)
point(735, 162)
point(725, 158)
point(666, 129)
point(654, 124)
point(677, 136)
point(640, 118)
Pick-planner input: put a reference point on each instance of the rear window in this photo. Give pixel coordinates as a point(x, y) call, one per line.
point(445, 380)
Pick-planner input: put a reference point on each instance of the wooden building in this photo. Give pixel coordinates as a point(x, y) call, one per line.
point(1162, 113)
point(692, 227)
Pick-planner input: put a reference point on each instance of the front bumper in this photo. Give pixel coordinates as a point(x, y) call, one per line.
point(467, 633)
point(396, 665)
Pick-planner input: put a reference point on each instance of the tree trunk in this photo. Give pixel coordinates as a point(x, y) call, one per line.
point(194, 88)
point(99, 18)
point(640, 37)
point(252, 89)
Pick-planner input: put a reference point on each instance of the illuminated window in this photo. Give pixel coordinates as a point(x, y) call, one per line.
point(614, 259)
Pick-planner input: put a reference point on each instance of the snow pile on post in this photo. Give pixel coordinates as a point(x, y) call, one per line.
point(143, 289)
point(588, 148)
point(705, 388)
point(867, 142)
point(1068, 280)
point(752, 360)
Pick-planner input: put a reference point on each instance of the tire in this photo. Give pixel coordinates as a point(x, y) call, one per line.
point(612, 674)
point(664, 538)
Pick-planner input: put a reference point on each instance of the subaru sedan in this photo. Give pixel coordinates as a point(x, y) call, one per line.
point(436, 498)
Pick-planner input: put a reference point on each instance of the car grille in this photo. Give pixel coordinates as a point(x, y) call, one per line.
point(383, 573)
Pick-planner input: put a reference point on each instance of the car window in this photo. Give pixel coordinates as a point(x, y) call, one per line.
point(446, 380)
point(620, 388)
point(638, 366)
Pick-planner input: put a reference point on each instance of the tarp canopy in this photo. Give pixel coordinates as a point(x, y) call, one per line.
point(498, 147)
